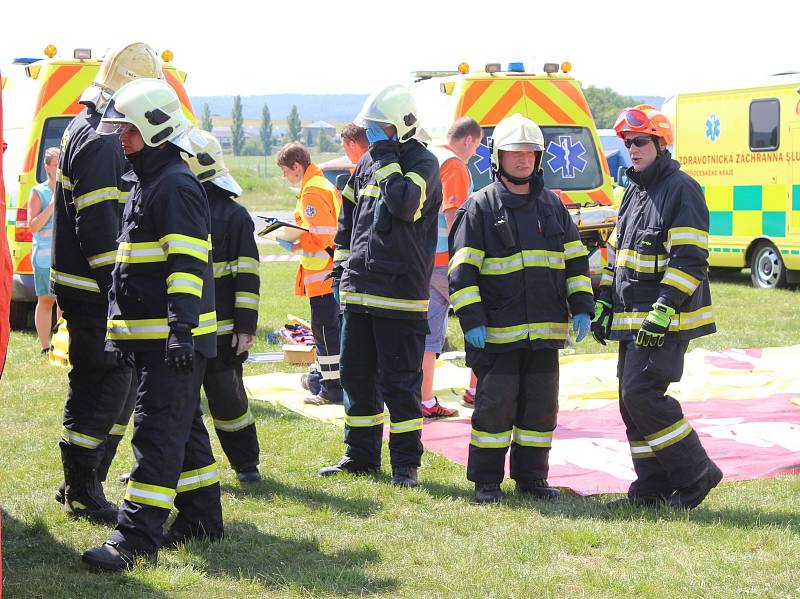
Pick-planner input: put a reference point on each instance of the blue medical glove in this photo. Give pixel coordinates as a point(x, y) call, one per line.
point(580, 326)
point(476, 337)
point(375, 134)
point(287, 245)
point(336, 291)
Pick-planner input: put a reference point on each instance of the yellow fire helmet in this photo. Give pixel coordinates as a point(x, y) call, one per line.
point(119, 67)
point(515, 133)
point(393, 105)
point(207, 163)
point(152, 106)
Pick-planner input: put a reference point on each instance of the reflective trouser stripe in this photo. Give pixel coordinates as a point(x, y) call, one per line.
point(364, 421)
point(406, 426)
point(640, 450)
point(118, 429)
point(230, 426)
point(154, 495)
point(80, 439)
point(195, 479)
point(669, 436)
point(386, 303)
point(328, 366)
point(532, 438)
point(490, 440)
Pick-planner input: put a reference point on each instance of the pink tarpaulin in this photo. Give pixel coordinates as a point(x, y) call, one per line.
point(747, 438)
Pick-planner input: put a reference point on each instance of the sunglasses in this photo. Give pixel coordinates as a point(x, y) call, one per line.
point(639, 142)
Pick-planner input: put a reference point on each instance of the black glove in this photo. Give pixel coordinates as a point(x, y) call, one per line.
point(180, 348)
point(113, 359)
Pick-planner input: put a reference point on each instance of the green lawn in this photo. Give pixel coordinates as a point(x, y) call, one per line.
point(296, 535)
point(261, 179)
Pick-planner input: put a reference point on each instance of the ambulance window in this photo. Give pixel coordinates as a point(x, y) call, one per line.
point(51, 137)
point(764, 124)
point(570, 160)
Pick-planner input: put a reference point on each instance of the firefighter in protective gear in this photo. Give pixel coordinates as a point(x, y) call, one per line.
point(654, 297)
point(236, 288)
point(161, 314)
point(517, 271)
point(90, 195)
point(317, 209)
point(384, 257)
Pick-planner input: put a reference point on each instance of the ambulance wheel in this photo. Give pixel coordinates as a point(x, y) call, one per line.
point(767, 270)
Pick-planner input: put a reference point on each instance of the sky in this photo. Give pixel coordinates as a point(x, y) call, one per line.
point(254, 48)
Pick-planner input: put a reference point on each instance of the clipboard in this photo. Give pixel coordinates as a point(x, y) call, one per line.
point(276, 228)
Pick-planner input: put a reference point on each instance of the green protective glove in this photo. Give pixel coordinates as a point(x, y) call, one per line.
point(655, 326)
point(601, 323)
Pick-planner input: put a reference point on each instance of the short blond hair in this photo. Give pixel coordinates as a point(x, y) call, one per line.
point(51, 154)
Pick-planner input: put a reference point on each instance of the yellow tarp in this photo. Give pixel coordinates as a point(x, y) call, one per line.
point(590, 381)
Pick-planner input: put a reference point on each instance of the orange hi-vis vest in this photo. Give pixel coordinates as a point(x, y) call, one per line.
point(318, 210)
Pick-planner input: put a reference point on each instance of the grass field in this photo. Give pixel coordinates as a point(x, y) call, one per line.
point(263, 183)
point(296, 535)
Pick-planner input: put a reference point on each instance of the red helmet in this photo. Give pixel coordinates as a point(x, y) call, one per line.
point(644, 118)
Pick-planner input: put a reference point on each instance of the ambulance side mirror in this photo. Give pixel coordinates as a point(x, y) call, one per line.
point(341, 181)
point(622, 178)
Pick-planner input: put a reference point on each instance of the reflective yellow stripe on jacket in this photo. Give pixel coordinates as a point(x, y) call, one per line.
point(154, 328)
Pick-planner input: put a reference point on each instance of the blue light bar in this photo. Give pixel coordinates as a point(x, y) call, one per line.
point(516, 67)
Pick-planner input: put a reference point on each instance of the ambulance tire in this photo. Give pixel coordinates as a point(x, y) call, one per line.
point(767, 270)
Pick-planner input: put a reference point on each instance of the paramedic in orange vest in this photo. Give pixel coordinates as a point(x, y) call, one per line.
point(317, 210)
point(463, 140)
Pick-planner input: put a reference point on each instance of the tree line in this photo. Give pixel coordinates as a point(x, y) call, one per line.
point(294, 127)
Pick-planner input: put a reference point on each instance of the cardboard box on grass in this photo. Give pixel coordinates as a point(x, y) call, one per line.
point(299, 354)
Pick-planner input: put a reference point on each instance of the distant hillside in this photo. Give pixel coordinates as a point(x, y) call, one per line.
point(326, 107)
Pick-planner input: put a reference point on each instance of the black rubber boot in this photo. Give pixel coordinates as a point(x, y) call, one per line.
point(348, 464)
point(180, 535)
point(488, 493)
point(111, 444)
point(404, 476)
point(248, 476)
point(632, 500)
point(83, 494)
point(110, 557)
point(60, 492)
point(690, 497)
point(538, 488)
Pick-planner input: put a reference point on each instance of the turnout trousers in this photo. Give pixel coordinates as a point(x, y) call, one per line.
point(174, 464)
point(666, 452)
point(381, 364)
point(516, 406)
point(97, 392)
point(227, 402)
point(325, 323)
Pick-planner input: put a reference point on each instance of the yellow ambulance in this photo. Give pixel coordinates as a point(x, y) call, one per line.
point(574, 163)
point(743, 146)
point(41, 97)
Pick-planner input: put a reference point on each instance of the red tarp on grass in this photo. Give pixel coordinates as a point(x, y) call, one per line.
point(747, 438)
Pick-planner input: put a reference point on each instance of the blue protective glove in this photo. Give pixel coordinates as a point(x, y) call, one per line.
point(375, 134)
point(476, 337)
point(336, 291)
point(287, 245)
point(580, 326)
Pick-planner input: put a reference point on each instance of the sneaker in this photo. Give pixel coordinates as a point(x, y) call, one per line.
point(348, 464)
point(537, 488)
point(249, 476)
point(487, 493)
point(437, 410)
point(468, 399)
point(45, 351)
point(404, 476)
point(690, 497)
point(317, 400)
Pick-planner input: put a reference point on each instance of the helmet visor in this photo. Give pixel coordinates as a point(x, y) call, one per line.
point(113, 122)
point(521, 147)
point(228, 183)
point(631, 119)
